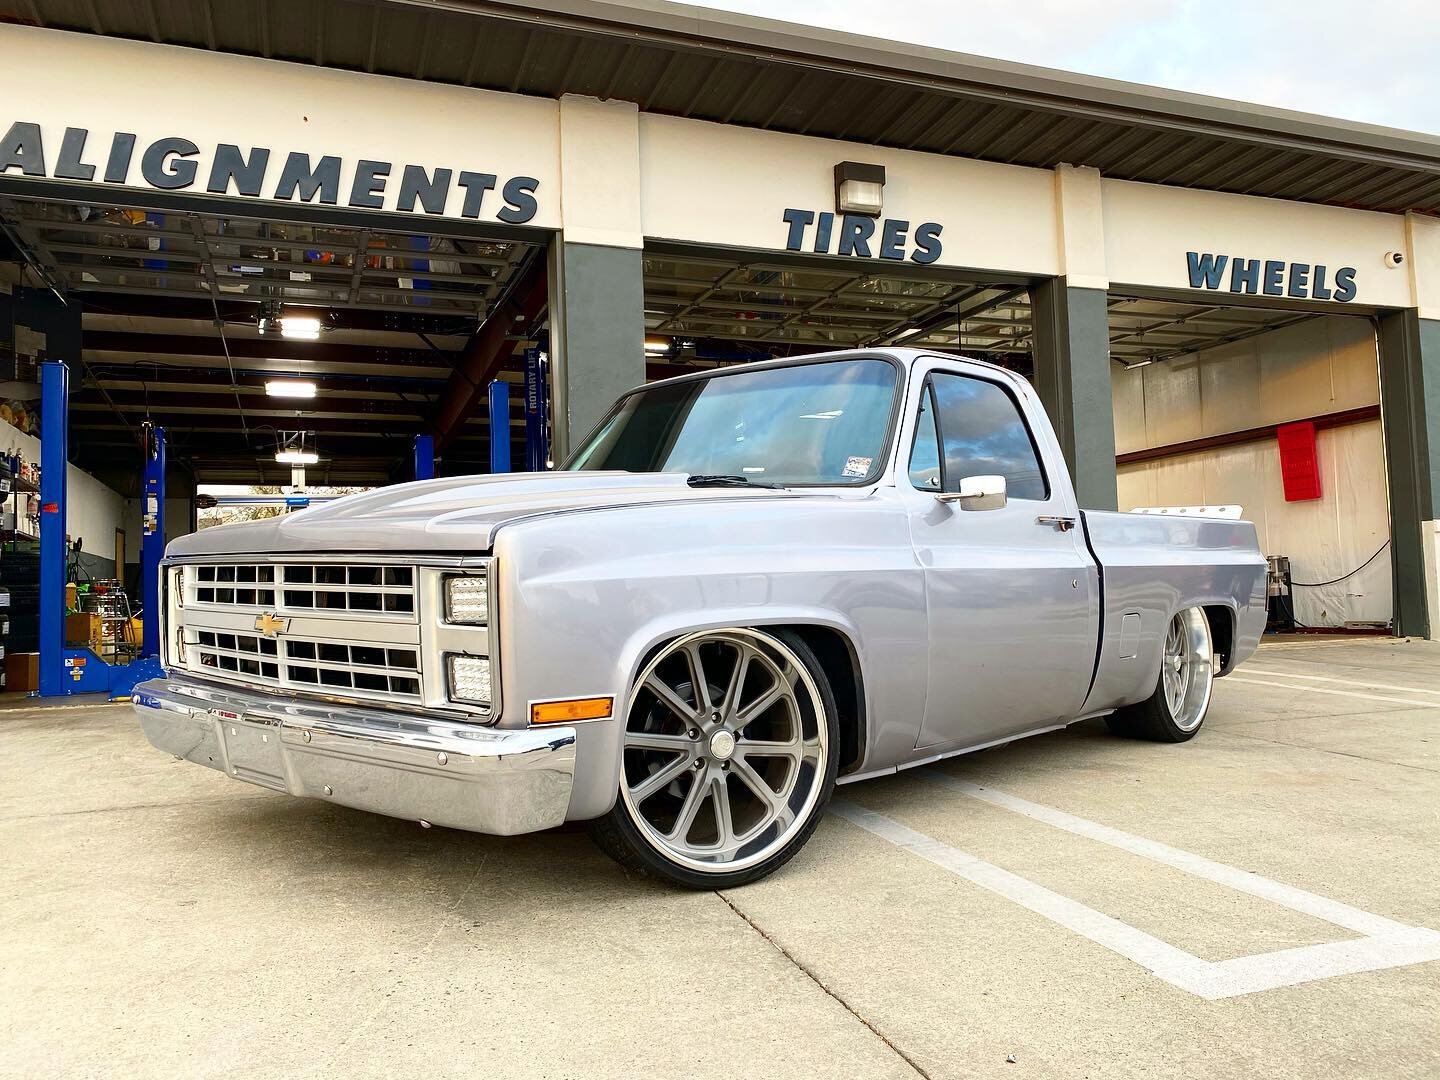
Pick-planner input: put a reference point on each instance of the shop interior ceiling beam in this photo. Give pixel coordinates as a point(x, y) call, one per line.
point(385, 409)
point(402, 385)
point(489, 350)
point(277, 348)
point(161, 306)
point(89, 417)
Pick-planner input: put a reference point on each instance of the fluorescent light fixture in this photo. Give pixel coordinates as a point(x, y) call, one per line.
point(300, 327)
point(657, 345)
point(859, 189)
point(908, 333)
point(296, 457)
point(291, 388)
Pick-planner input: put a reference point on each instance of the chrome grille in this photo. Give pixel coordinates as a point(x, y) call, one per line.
point(371, 630)
point(332, 667)
point(331, 588)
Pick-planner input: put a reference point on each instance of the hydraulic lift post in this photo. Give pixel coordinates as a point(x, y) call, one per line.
point(152, 539)
point(499, 426)
point(424, 457)
point(537, 410)
point(54, 457)
point(65, 670)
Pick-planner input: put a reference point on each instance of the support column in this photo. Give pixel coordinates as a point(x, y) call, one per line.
point(1410, 412)
point(597, 289)
point(1072, 376)
point(1072, 339)
point(597, 335)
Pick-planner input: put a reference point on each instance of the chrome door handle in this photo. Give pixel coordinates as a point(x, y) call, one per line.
point(1064, 524)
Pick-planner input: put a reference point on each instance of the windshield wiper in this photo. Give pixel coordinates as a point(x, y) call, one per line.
point(726, 480)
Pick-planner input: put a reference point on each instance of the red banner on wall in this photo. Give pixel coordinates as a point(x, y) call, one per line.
point(1299, 462)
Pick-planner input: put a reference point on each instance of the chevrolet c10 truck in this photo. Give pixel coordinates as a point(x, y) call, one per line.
point(747, 586)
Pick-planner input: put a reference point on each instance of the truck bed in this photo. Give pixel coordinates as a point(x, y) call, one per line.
point(1150, 567)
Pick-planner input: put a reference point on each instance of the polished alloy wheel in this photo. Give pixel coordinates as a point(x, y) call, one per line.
point(1187, 668)
point(725, 749)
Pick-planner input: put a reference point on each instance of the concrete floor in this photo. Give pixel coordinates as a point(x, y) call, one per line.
point(157, 919)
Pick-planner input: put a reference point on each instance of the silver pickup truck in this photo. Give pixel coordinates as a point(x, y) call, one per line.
point(747, 586)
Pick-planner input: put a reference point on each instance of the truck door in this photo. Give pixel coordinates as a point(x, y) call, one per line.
point(1011, 590)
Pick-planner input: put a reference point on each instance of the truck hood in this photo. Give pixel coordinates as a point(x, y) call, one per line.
point(459, 513)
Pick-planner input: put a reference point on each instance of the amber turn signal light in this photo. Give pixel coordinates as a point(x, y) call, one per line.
point(561, 712)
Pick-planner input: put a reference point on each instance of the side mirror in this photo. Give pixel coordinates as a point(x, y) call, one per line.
point(978, 493)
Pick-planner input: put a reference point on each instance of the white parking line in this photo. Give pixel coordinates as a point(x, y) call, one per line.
point(1343, 682)
point(1276, 685)
point(1384, 944)
point(1332, 911)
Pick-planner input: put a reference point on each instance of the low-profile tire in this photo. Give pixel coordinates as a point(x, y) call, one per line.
point(1177, 708)
point(728, 759)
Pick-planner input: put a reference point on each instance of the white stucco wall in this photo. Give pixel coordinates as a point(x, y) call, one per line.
point(108, 85)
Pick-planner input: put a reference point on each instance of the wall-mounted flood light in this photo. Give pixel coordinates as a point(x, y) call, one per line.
point(859, 189)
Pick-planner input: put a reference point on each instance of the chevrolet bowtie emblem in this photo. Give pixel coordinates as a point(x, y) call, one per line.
point(271, 624)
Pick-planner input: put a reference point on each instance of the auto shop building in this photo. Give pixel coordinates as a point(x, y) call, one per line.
point(1219, 303)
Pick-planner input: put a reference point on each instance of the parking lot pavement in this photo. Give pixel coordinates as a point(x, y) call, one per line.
point(1260, 900)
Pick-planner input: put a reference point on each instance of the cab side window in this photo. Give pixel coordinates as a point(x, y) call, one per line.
point(925, 453)
point(982, 433)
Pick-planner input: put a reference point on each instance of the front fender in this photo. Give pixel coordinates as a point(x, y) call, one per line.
point(585, 598)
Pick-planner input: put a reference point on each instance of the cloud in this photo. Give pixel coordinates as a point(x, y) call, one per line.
point(1373, 63)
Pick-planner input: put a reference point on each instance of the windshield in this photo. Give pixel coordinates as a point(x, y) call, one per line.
point(819, 423)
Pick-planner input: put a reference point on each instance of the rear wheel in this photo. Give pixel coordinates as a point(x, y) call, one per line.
point(1177, 708)
point(728, 759)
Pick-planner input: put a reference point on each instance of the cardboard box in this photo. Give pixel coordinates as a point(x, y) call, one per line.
point(22, 671)
point(83, 628)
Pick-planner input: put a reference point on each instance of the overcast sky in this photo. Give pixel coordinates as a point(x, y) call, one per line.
point(1376, 61)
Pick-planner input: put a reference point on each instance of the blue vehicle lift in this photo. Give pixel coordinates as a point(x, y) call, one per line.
point(424, 457)
point(63, 670)
point(152, 537)
point(537, 410)
point(499, 426)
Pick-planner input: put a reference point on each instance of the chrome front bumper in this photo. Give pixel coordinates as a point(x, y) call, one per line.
point(439, 771)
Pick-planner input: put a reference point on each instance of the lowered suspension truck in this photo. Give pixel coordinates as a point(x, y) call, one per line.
point(747, 586)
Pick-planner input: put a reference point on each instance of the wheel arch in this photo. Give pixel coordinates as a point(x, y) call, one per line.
point(1222, 619)
point(841, 662)
point(832, 639)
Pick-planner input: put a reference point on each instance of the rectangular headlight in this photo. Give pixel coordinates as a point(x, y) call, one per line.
point(467, 599)
point(470, 679)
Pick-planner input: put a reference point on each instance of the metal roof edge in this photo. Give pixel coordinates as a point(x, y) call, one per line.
point(706, 29)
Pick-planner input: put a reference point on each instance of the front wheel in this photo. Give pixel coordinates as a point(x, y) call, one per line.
point(1177, 708)
point(728, 759)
